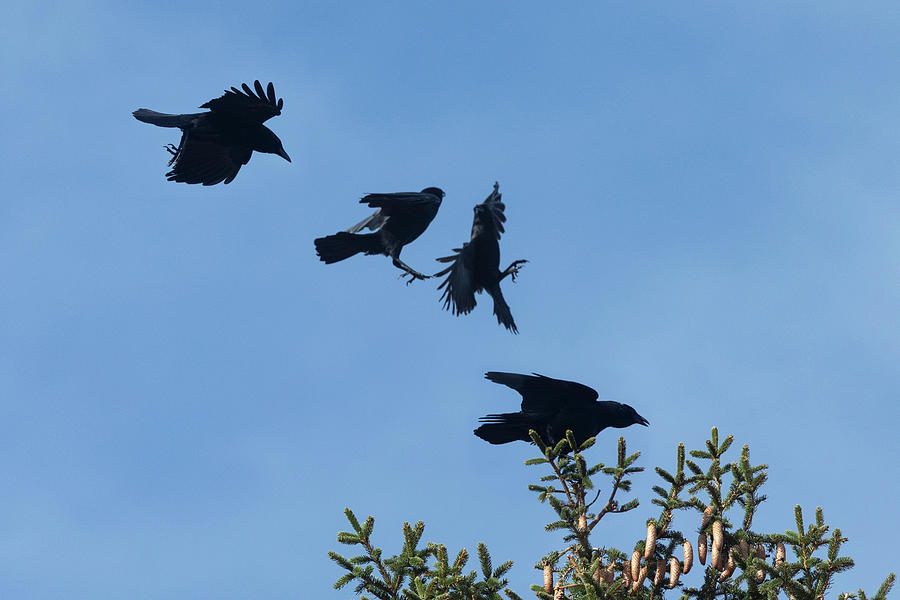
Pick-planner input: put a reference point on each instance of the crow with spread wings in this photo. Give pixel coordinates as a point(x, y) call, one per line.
point(550, 407)
point(476, 266)
point(399, 219)
point(217, 143)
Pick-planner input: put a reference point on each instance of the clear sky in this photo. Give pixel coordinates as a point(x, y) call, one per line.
point(706, 193)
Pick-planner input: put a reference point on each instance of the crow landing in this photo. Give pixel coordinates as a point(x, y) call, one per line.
point(215, 144)
point(400, 218)
point(550, 407)
point(476, 266)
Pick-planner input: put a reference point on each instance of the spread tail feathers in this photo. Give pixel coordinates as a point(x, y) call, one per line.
point(162, 119)
point(501, 309)
point(337, 247)
point(504, 428)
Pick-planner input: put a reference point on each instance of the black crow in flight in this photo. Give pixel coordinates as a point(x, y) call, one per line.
point(400, 218)
point(476, 266)
point(550, 407)
point(215, 144)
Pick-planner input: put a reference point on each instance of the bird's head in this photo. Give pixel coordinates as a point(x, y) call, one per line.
point(633, 416)
point(279, 149)
point(623, 415)
point(267, 141)
point(434, 191)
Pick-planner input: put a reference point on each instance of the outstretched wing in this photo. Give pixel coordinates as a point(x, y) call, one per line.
point(542, 394)
point(372, 222)
point(459, 287)
point(390, 203)
point(247, 105)
point(489, 216)
point(204, 159)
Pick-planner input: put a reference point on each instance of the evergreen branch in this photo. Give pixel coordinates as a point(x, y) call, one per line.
point(732, 488)
point(485, 558)
point(562, 479)
point(885, 588)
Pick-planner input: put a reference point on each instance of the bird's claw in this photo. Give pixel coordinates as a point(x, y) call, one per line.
point(171, 149)
point(514, 268)
point(413, 275)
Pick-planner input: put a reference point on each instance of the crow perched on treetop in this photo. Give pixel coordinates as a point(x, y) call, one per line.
point(476, 266)
point(215, 144)
point(401, 218)
point(550, 407)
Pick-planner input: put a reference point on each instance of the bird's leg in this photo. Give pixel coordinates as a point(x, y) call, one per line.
point(412, 273)
point(512, 269)
point(171, 149)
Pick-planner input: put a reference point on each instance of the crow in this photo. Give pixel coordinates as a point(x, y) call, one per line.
point(476, 266)
point(215, 144)
point(400, 218)
point(550, 407)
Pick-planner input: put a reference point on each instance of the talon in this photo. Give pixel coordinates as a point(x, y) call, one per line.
point(413, 275)
point(171, 149)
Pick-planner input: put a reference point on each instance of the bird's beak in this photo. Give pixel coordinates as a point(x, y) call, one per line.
point(284, 155)
point(644, 422)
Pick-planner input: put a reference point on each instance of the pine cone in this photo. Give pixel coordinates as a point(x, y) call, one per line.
point(674, 571)
point(651, 540)
point(688, 556)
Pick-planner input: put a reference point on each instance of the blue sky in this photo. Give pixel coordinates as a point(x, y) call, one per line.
point(706, 193)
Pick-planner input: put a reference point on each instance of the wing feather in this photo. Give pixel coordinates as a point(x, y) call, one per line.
point(372, 222)
point(204, 161)
point(459, 286)
point(489, 215)
point(256, 105)
point(388, 203)
point(541, 394)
